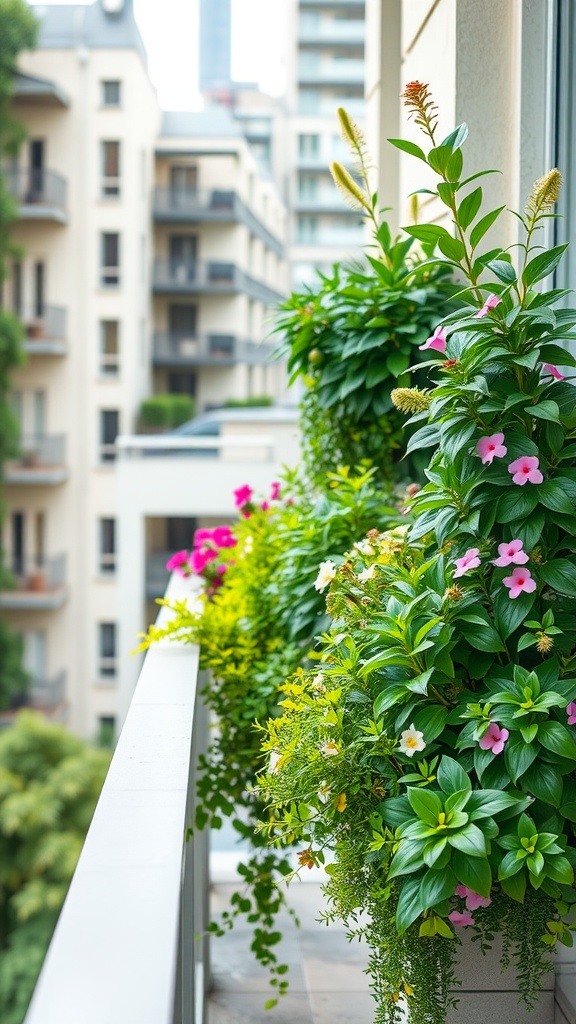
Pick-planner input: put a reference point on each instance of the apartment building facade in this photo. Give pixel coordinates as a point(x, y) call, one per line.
point(326, 70)
point(151, 248)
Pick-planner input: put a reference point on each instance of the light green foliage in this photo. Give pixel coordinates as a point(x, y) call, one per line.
point(414, 793)
point(49, 784)
point(166, 411)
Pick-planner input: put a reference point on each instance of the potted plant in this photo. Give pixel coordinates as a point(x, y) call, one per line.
point(432, 758)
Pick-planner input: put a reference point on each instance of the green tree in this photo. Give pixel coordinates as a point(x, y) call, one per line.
point(18, 28)
point(49, 785)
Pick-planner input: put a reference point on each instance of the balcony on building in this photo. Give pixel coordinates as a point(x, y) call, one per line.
point(32, 91)
point(314, 103)
point(46, 694)
point(190, 277)
point(41, 195)
point(332, 32)
point(331, 237)
point(39, 584)
point(176, 348)
point(321, 200)
point(41, 460)
point(348, 71)
point(45, 330)
point(187, 204)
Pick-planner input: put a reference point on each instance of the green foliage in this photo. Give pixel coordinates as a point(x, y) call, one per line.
point(351, 341)
point(49, 784)
point(13, 678)
point(434, 754)
point(166, 411)
point(254, 402)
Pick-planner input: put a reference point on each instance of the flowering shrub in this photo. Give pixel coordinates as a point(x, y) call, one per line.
point(448, 687)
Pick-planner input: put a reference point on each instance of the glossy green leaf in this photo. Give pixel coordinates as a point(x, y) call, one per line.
point(469, 208)
point(558, 738)
point(451, 776)
point(474, 872)
point(560, 574)
point(409, 147)
point(543, 264)
point(484, 225)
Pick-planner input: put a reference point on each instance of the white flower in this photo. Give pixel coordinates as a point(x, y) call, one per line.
point(329, 749)
point(411, 740)
point(317, 683)
point(367, 574)
point(324, 793)
point(364, 547)
point(326, 574)
point(275, 758)
point(248, 543)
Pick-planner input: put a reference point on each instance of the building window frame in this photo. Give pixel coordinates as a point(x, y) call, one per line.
point(107, 545)
point(111, 93)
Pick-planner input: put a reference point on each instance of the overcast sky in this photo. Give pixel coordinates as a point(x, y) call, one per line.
point(170, 32)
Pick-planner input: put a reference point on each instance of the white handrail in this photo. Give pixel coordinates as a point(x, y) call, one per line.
point(124, 947)
point(171, 442)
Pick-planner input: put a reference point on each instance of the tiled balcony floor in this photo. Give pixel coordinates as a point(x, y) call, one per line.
point(327, 983)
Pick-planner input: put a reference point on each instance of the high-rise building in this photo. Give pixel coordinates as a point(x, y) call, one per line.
point(326, 71)
point(151, 247)
point(215, 46)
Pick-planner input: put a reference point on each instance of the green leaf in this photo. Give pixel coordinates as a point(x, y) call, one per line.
point(469, 840)
point(452, 248)
point(438, 158)
point(503, 270)
point(560, 870)
point(409, 147)
point(509, 613)
point(542, 265)
point(484, 225)
point(518, 755)
point(546, 410)
point(474, 872)
point(425, 804)
point(551, 494)
point(431, 721)
point(558, 738)
point(516, 503)
point(560, 574)
point(469, 208)
point(545, 782)
point(394, 694)
point(510, 865)
point(515, 886)
point(456, 138)
point(407, 859)
point(436, 886)
point(451, 777)
point(484, 803)
point(397, 363)
point(409, 904)
point(395, 810)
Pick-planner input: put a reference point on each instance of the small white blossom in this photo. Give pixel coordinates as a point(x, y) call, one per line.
point(367, 574)
point(275, 758)
point(317, 683)
point(248, 543)
point(411, 740)
point(364, 547)
point(324, 793)
point(329, 749)
point(326, 574)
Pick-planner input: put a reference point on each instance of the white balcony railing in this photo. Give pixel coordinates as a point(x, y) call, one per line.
point(130, 946)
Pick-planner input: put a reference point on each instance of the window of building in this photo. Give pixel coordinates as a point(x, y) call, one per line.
point(309, 101)
point(111, 93)
point(107, 546)
point(110, 169)
point(17, 287)
point(309, 145)
point(109, 356)
point(110, 259)
point(107, 649)
point(182, 383)
point(307, 229)
point(308, 186)
point(109, 430)
point(106, 731)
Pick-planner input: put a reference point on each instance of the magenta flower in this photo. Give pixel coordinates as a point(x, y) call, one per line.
point(201, 536)
point(200, 558)
point(222, 537)
point(179, 563)
point(553, 371)
point(526, 468)
point(491, 447)
point(494, 738)
point(437, 341)
point(274, 491)
point(571, 711)
point(521, 579)
point(473, 899)
point(242, 495)
point(460, 920)
point(491, 302)
point(468, 561)
point(511, 554)
point(265, 506)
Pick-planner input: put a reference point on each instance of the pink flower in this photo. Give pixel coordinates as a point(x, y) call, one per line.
point(521, 579)
point(526, 468)
point(491, 302)
point(553, 371)
point(494, 738)
point(473, 900)
point(468, 561)
point(491, 447)
point(200, 558)
point(242, 496)
point(460, 920)
point(179, 563)
point(201, 536)
point(571, 710)
point(511, 553)
point(437, 341)
point(274, 491)
point(222, 537)
point(265, 506)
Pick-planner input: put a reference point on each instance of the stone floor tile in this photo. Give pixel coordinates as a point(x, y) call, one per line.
point(242, 1008)
point(342, 1008)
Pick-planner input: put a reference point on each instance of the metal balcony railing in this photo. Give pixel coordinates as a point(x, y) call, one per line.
point(180, 276)
point(332, 72)
point(178, 348)
point(46, 323)
point(318, 106)
point(47, 692)
point(175, 204)
point(41, 194)
point(40, 451)
point(130, 946)
point(37, 575)
point(351, 31)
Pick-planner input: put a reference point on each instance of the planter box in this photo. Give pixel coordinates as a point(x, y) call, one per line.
point(487, 996)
